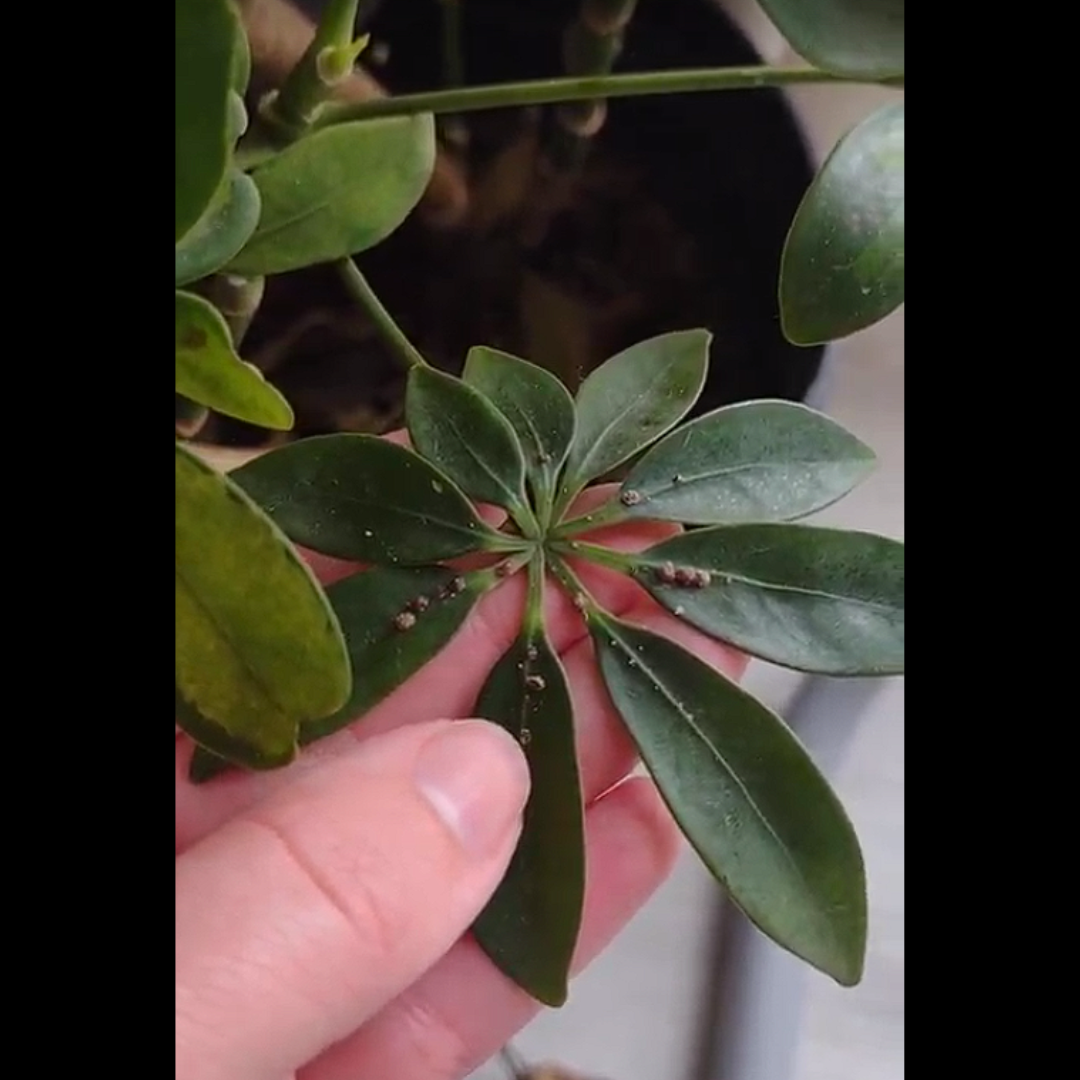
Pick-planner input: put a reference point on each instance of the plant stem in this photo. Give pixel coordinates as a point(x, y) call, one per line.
point(237, 299)
point(309, 83)
point(453, 128)
point(359, 287)
point(591, 45)
point(553, 91)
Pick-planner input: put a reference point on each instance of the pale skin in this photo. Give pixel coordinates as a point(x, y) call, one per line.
point(322, 911)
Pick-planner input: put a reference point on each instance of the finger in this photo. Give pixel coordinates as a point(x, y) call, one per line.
point(460, 1013)
point(298, 920)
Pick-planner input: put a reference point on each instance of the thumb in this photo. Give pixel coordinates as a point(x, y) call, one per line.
point(303, 916)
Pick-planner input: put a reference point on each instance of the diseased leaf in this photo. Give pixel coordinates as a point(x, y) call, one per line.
point(360, 497)
point(843, 263)
point(395, 621)
point(758, 461)
point(222, 230)
point(457, 429)
point(209, 371)
point(818, 600)
point(206, 43)
point(258, 648)
point(530, 926)
point(632, 399)
point(338, 191)
point(538, 406)
point(860, 38)
point(746, 794)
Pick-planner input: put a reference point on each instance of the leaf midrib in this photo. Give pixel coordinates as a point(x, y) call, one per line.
point(820, 594)
point(719, 757)
point(580, 470)
point(689, 480)
point(212, 617)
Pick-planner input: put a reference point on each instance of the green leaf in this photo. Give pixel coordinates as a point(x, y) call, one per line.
point(757, 461)
point(209, 371)
point(456, 428)
point(395, 620)
point(843, 263)
point(241, 63)
point(530, 926)
point(385, 650)
point(206, 33)
point(746, 795)
point(258, 647)
point(860, 38)
point(538, 406)
point(360, 497)
point(338, 191)
point(222, 230)
point(632, 399)
point(819, 600)
point(218, 750)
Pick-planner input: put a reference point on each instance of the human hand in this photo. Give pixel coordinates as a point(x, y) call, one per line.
point(321, 909)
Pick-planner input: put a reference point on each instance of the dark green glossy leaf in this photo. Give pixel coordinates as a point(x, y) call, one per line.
point(746, 795)
point(457, 429)
point(861, 38)
point(338, 191)
point(530, 926)
point(363, 498)
point(632, 399)
point(395, 620)
point(538, 406)
point(221, 232)
point(205, 48)
point(376, 609)
point(209, 371)
point(819, 600)
point(843, 263)
point(758, 461)
point(258, 647)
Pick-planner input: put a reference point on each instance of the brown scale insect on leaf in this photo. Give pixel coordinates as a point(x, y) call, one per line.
point(666, 573)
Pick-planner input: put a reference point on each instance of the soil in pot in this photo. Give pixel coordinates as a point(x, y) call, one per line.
point(675, 219)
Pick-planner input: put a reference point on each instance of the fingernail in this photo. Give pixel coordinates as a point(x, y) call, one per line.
point(476, 779)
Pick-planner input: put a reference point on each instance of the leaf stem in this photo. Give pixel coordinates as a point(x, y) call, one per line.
point(361, 290)
point(566, 577)
point(554, 91)
point(606, 514)
point(453, 128)
point(597, 553)
point(533, 622)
